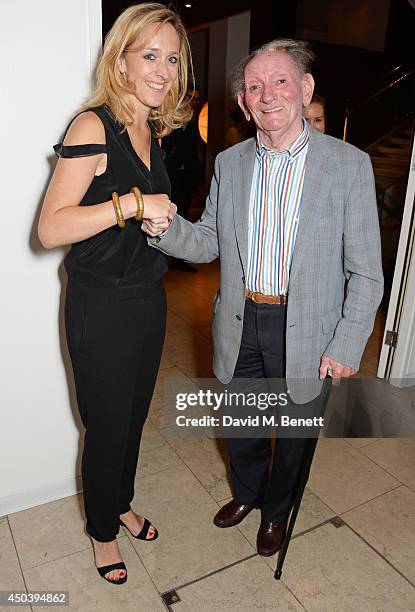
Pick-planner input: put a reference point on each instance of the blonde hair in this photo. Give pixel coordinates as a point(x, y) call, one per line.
point(112, 90)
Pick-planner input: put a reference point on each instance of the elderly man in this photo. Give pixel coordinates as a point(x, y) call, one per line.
point(292, 216)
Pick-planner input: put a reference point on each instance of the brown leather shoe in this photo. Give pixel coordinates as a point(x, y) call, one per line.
point(270, 537)
point(231, 514)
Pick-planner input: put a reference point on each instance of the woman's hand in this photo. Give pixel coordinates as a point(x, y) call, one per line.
point(155, 227)
point(156, 206)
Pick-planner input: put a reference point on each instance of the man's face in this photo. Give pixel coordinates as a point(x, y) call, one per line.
point(275, 93)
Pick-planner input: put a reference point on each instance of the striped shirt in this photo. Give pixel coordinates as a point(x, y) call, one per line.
point(274, 211)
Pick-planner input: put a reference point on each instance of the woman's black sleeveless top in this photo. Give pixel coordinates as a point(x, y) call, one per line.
point(117, 257)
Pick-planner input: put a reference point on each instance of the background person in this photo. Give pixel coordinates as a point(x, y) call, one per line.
point(315, 113)
point(238, 131)
point(115, 308)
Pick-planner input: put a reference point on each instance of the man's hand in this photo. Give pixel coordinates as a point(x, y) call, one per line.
point(330, 367)
point(155, 227)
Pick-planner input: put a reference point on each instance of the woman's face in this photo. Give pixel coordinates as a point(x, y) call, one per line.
point(314, 113)
point(151, 64)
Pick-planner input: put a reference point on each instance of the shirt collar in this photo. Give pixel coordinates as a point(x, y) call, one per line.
point(292, 152)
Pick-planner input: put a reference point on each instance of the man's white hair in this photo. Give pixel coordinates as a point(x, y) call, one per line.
point(298, 50)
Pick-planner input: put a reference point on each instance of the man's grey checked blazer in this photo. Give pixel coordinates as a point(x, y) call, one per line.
point(337, 241)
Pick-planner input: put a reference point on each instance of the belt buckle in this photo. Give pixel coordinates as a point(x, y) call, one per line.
point(253, 298)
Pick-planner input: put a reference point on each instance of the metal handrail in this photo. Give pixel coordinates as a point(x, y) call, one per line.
point(390, 72)
point(371, 98)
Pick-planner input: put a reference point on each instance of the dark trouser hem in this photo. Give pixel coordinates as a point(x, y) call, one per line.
point(99, 538)
point(275, 518)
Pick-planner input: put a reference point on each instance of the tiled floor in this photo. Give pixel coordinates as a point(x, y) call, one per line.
point(353, 547)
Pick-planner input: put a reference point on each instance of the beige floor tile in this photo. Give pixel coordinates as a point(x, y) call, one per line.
point(11, 578)
point(49, 531)
point(397, 456)
point(197, 367)
point(343, 478)
point(159, 416)
point(89, 592)
point(377, 391)
point(312, 512)
point(193, 348)
point(189, 545)
point(205, 328)
point(332, 570)
point(188, 346)
point(207, 460)
point(247, 586)
point(395, 414)
point(179, 332)
point(360, 442)
point(178, 289)
point(162, 414)
point(165, 362)
point(360, 407)
point(207, 278)
point(153, 460)
point(165, 375)
point(151, 437)
point(183, 290)
point(193, 309)
point(388, 524)
point(194, 357)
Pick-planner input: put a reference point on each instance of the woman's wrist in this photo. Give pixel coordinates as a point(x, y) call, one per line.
point(128, 205)
point(145, 202)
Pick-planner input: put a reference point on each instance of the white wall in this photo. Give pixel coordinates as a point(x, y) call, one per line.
point(48, 52)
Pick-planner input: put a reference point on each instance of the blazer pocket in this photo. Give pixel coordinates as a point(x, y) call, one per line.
point(330, 320)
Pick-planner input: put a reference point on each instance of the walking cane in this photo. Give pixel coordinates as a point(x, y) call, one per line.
point(302, 481)
point(307, 460)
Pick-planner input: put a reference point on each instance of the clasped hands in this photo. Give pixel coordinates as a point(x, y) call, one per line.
point(158, 217)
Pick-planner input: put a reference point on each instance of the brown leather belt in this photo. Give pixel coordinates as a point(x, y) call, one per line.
point(260, 298)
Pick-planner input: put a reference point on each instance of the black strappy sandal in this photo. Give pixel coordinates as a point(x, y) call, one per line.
point(108, 568)
point(144, 531)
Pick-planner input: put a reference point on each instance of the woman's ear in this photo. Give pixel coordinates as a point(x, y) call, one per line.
point(122, 67)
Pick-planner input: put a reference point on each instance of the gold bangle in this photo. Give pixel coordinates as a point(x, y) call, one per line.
point(140, 203)
point(117, 208)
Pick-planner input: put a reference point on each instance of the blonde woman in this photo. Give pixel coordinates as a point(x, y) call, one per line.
point(115, 303)
point(315, 113)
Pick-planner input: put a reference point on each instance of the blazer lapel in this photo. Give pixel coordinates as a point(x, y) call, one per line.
point(241, 191)
point(316, 187)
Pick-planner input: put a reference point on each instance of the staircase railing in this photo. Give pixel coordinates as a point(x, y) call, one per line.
point(402, 107)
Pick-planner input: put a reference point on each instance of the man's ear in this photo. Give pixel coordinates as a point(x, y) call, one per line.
point(308, 88)
point(241, 103)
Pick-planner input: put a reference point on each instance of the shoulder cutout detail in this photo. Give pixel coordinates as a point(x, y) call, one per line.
point(83, 150)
